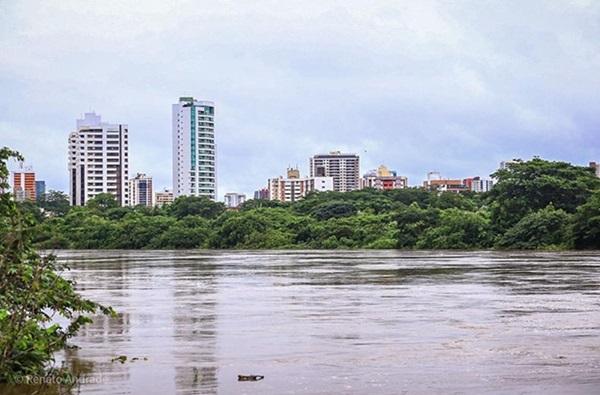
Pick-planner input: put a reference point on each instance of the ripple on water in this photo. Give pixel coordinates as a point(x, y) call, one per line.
point(340, 321)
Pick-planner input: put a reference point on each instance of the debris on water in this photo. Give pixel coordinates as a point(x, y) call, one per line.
point(120, 358)
point(250, 377)
point(123, 359)
point(72, 347)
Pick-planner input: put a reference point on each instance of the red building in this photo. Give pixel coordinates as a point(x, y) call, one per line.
point(24, 185)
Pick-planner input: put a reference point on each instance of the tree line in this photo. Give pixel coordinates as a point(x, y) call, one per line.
point(535, 204)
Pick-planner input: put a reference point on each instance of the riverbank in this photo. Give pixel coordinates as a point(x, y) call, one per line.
point(534, 205)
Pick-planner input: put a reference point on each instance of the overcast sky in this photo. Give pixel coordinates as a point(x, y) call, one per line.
point(416, 85)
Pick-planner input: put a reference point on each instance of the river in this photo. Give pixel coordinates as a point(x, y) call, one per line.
point(333, 322)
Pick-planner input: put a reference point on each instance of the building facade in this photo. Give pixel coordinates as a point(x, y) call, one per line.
point(505, 164)
point(140, 191)
point(234, 200)
point(194, 148)
point(477, 184)
point(40, 189)
point(98, 160)
point(435, 182)
point(294, 188)
point(383, 179)
point(343, 168)
point(262, 193)
point(163, 197)
point(24, 185)
point(596, 167)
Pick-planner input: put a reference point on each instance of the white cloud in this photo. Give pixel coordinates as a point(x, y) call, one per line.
point(417, 85)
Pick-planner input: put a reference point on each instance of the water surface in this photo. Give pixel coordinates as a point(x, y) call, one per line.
point(324, 322)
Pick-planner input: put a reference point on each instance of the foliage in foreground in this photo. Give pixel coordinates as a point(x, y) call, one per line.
point(32, 295)
point(535, 204)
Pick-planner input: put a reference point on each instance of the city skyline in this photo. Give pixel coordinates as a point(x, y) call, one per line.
point(419, 86)
point(362, 176)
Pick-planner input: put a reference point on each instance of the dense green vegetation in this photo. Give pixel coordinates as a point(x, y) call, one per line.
point(536, 204)
point(32, 295)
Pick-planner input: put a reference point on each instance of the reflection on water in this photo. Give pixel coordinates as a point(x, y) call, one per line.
point(339, 322)
point(195, 329)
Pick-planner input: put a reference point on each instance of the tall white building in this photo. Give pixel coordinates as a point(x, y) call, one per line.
point(141, 191)
point(344, 168)
point(194, 149)
point(98, 160)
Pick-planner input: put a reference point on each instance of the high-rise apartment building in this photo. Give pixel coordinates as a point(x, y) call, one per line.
point(344, 168)
point(24, 185)
point(140, 191)
point(234, 200)
point(98, 160)
point(194, 149)
point(294, 188)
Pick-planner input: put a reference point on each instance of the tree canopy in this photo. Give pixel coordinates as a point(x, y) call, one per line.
point(535, 204)
point(527, 186)
point(32, 292)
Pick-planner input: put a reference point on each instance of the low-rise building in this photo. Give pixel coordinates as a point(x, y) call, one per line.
point(447, 185)
point(163, 197)
point(383, 179)
point(294, 188)
point(234, 200)
point(435, 182)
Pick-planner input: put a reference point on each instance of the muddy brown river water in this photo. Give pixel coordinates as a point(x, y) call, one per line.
point(339, 322)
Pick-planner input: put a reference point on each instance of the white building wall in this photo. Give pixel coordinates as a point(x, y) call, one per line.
point(141, 191)
point(233, 200)
point(98, 160)
point(194, 149)
point(323, 184)
point(344, 168)
point(294, 189)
